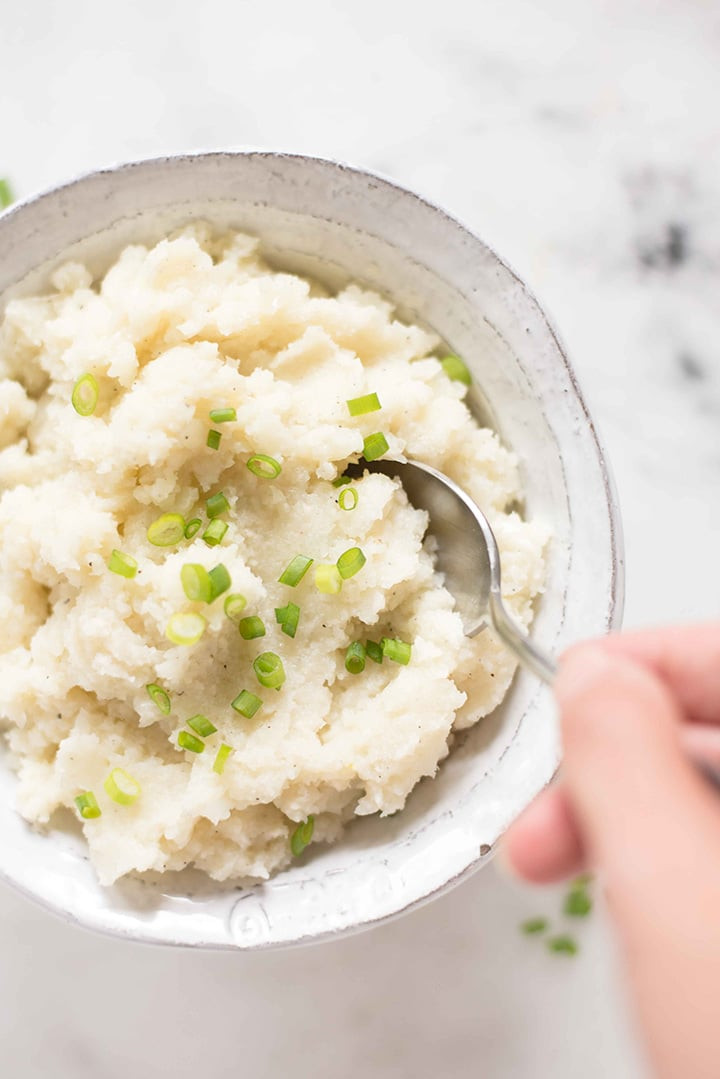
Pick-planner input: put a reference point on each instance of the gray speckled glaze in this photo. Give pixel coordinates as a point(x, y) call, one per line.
point(324, 218)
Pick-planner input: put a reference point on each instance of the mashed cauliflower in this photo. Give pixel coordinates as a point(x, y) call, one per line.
point(191, 325)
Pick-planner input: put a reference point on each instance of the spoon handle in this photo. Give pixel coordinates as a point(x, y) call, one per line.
point(515, 637)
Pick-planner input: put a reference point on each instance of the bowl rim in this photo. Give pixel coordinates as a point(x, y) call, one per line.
point(616, 584)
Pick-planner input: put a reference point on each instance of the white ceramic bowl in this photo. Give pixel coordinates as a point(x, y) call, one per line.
point(337, 222)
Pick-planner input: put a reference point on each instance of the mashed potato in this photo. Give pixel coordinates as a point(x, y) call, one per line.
point(195, 324)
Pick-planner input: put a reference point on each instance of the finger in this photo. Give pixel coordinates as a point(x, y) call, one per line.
point(652, 828)
point(686, 658)
point(640, 802)
point(543, 845)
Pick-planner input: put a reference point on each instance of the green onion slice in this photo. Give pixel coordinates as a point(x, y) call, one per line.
point(578, 903)
point(251, 627)
point(328, 579)
point(6, 194)
point(192, 527)
point(197, 583)
point(375, 446)
point(359, 406)
point(190, 742)
point(160, 698)
point(374, 651)
point(185, 627)
point(348, 499)
point(202, 726)
point(121, 787)
point(267, 468)
point(269, 670)
point(167, 530)
point(302, 836)
point(219, 580)
point(350, 562)
point(246, 704)
point(85, 395)
point(223, 415)
point(534, 925)
point(396, 650)
point(213, 439)
point(216, 505)
point(221, 759)
point(456, 370)
point(234, 605)
point(215, 532)
point(341, 481)
point(87, 805)
point(295, 570)
point(355, 658)
point(122, 564)
point(563, 945)
point(288, 618)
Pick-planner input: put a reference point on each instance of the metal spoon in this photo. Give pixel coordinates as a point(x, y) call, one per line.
point(467, 554)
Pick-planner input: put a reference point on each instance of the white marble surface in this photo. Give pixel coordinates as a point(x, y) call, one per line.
point(580, 138)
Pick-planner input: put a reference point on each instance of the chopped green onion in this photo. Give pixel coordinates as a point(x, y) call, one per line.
point(234, 605)
point(167, 530)
point(328, 579)
point(375, 446)
point(123, 564)
point(396, 650)
point(219, 580)
point(267, 468)
point(121, 787)
point(563, 945)
point(302, 836)
point(85, 395)
point(190, 742)
point(269, 670)
point(295, 570)
point(196, 582)
point(223, 415)
point(216, 505)
point(6, 194)
point(215, 532)
point(192, 527)
point(185, 627)
point(374, 651)
point(251, 627)
point(246, 704)
point(221, 759)
point(578, 903)
point(582, 881)
point(341, 481)
point(348, 499)
point(351, 562)
point(456, 370)
point(87, 805)
point(202, 726)
point(355, 658)
point(213, 439)
point(160, 698)
point(288, 618)
point(359, 406)
point(534, 925)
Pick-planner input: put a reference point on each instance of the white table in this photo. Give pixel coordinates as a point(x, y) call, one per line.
point(583, 144)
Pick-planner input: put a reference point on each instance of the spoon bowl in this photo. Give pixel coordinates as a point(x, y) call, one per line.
point(467, 556)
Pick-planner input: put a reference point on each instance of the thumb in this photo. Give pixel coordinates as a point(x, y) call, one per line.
point(641, 806)
point(651, 825)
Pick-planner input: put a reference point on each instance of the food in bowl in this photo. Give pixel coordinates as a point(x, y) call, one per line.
point(214, 649)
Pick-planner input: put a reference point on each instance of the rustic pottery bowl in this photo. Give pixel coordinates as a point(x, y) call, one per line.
point(335, 222)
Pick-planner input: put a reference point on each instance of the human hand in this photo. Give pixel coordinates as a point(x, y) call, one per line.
point(632, 806)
